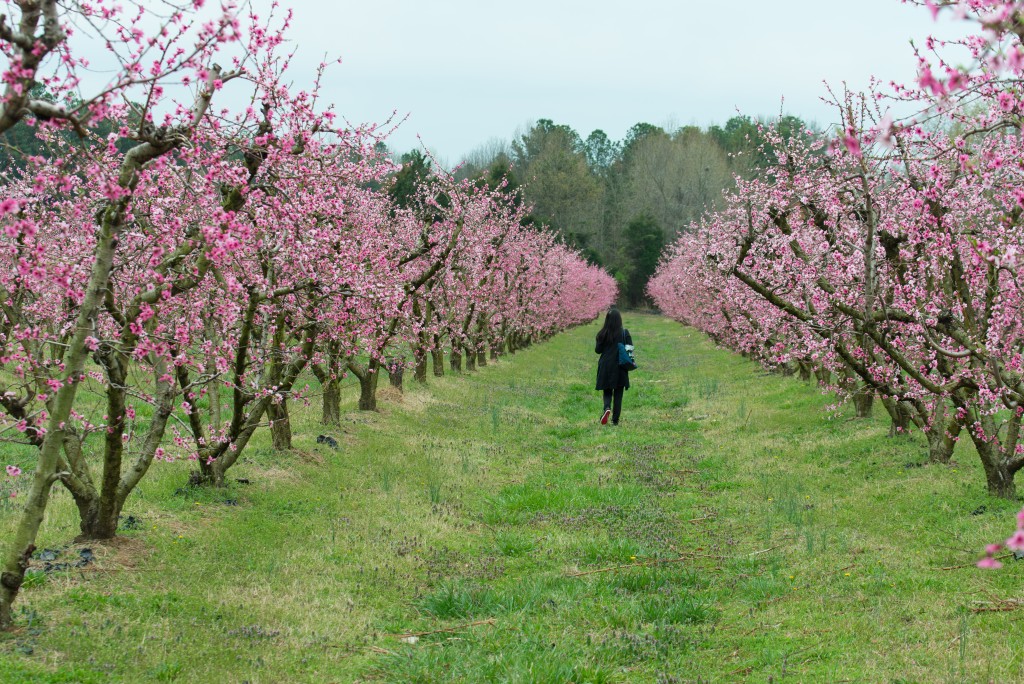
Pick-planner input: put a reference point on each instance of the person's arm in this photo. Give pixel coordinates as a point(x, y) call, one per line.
point(628, 337)
point(598, 347)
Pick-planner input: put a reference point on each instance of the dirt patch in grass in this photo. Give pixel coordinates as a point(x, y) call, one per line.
point(73, 563)
point(309, 456)
point(120, 553)
point(390, 395)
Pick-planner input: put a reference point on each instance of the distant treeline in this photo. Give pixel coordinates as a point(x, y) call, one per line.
point(621, 201)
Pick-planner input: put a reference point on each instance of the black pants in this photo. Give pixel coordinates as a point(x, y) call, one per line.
point(617, 395)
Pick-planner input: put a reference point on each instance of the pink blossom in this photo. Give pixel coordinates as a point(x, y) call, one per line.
point(1016, 542)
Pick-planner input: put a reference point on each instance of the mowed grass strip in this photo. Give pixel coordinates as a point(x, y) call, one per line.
point(485, 528)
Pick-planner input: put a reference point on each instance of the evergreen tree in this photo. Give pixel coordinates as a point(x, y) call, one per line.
point(644, 242)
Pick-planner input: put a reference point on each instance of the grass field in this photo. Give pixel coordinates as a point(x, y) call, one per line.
point(444, 541)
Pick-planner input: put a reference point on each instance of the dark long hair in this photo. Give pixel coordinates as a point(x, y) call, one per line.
point(612, 329)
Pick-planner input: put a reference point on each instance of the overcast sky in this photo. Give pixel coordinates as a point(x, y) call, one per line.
point(465, 71)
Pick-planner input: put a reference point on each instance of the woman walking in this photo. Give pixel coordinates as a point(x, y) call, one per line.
point(612, 379)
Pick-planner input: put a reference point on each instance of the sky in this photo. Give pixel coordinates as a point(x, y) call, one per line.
point(462, 72)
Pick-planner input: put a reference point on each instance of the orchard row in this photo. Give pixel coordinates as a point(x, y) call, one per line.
point(888, 260)
point(175, 270)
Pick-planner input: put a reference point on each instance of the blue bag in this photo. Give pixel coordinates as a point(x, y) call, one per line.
point(626, 360)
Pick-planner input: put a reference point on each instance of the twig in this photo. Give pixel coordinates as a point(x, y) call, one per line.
point(972, 565)
point(1000, 607)
point(446, 630)
point(641, 564)
point(758, 553)
point(706, 517)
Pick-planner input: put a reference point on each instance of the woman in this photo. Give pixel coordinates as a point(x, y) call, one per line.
point(610, 378)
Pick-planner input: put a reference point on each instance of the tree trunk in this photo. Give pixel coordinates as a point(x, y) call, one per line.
point(996, 451)
point(421, 347)
point(420, 372)
point(368, 387)
point(396, 373)
point(805, 371)
point(942, 441)
point(824, 376)
point(280, 426)
point(900, 416)
point(95, 521)
point(97, 525)
point(99, 510)
point(455, 361)
point(863, 402)
point(470, 360)
point(481, 358)
point(215, 461)
point(437, 357)
point(331, 414)
point(998, 477)
point(329, 376)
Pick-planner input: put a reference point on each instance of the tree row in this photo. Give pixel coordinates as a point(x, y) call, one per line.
point(886, 260)
point(177, 271)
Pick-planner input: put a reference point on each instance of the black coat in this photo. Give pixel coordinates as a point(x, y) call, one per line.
point(609, 375)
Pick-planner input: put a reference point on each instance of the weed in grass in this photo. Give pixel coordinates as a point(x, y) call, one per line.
point(792, 504)
point(167, 671)
point(613, 550)
point(965, 630)
point(682, 400)
point(34, 577)
point(385, 476)
point(708, 389)
point(255, 632)
point(457, 601)
point(677, 610)
point(434, 492)
point(526, 659)
point(514, 544)
point(653, 579)
point(762, 588)
point(656, 644)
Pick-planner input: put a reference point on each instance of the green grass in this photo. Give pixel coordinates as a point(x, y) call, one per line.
point(812, 545)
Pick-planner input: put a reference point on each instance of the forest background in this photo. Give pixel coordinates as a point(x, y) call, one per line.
point(620, 201)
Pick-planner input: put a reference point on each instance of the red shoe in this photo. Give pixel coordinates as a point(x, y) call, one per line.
point(604, 418)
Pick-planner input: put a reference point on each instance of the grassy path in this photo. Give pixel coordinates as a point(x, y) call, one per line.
point(805, 547)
